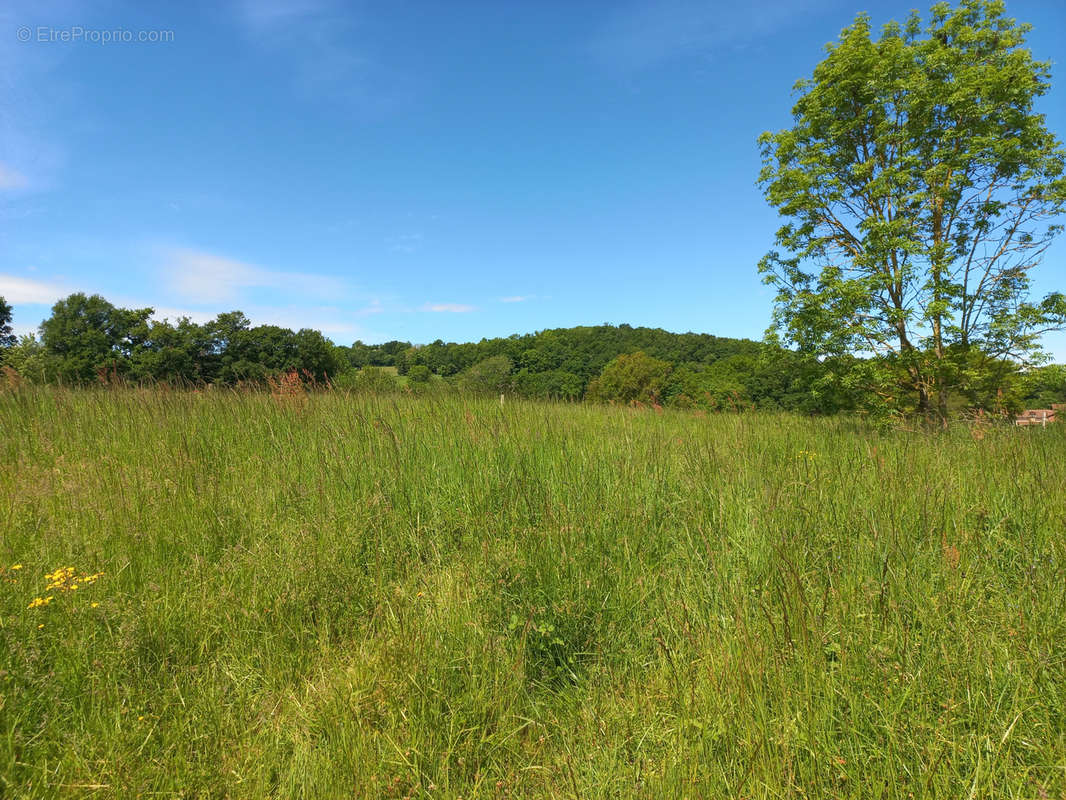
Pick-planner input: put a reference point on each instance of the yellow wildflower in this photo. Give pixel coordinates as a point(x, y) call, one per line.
point(37, 602)
point(93, 605)
point(16, 566)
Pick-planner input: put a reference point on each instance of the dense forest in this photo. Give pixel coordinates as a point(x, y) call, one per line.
point(87, 340)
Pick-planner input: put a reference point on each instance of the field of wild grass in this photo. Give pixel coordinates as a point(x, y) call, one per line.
point(221, 595)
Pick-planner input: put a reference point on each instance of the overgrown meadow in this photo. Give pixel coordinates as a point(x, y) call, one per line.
point(237, 595)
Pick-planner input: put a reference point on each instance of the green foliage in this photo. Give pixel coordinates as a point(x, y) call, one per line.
point(29, 359)
point(369, 596)
point(581, 352)
point(633, 378)
point(368, 380)
point(419, 373)
point(376, 380)
point(493, 375)
point(554, 384)
point(389, 354)
point(1041, 387)
point(86, 336)
point(7, 336)
point(919, 189)
point(720, 387)
point(706, 372)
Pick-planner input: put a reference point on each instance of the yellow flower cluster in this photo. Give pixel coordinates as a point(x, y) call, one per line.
point(808, 455)
point(66, 580)
point(59, 578)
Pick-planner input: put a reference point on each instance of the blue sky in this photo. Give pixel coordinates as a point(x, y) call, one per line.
point(413, 170)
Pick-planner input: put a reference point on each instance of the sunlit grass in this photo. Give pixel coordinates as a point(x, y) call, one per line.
point(339, 596)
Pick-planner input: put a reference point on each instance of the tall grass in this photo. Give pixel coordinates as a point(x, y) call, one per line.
point(338, 596)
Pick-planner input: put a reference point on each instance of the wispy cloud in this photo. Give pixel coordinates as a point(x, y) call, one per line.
point(203, 277)
point(23, 290)
point(336, 321)
point(11, 179)
point(447, 308)
point(518, 298)
point(648, 32)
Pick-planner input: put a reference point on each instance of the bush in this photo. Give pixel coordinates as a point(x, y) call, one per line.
point(419, 373)
point(636, 377)
point(368, 380)
point(491, 375)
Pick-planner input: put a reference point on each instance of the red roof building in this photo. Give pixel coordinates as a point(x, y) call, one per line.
point(1037, 416)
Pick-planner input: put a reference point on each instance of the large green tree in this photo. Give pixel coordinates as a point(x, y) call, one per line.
point(87, 335)
point(919, 188)
point(491, 375)
point(630, 378)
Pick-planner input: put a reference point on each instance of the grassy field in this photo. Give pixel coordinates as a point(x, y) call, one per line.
point(342, 596)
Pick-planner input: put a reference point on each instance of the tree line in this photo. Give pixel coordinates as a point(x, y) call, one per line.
point(918, 188)
point(87, 340)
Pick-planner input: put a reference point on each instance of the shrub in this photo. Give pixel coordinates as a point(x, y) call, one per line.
point(419, 373)
point(491, 375)
point(636, 377)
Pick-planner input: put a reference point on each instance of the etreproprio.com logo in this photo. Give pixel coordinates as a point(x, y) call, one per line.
point(76, 34)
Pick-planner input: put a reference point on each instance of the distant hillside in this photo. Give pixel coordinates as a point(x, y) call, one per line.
point(695, 370)
point(583, 351)
point(87, 339)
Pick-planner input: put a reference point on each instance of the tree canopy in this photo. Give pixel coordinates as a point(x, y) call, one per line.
point(919, 188)
point(633, 378)
point(86, 337)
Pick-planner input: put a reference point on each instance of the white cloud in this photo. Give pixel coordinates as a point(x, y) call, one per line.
point(22, 290)
point(517, 298)
point(330, 321)
point(203, 277)
point(447, 308)
point(11, 179)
